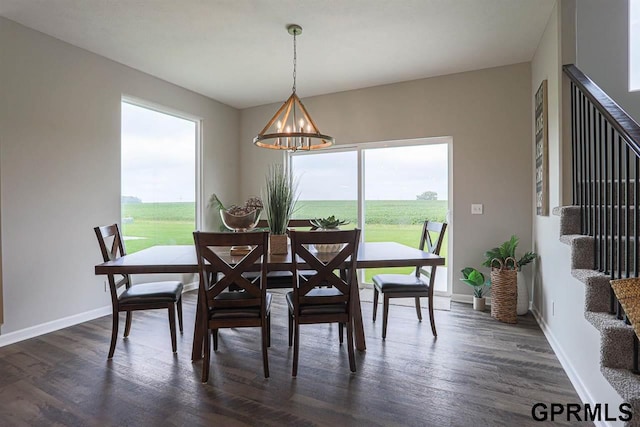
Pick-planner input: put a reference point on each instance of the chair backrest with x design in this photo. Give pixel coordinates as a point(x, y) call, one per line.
point(426, 240)
point(218, 270)
point(111, 252)
point(324, 264)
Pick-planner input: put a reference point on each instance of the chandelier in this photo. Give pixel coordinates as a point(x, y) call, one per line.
point(292, 128)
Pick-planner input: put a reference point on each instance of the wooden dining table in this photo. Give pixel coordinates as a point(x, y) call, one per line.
point(183, 259)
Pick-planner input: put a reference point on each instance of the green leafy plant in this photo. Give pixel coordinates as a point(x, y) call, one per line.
point(329, 222)
point(215, 202)
point(506, 250)
point(280, 197)
point(476, 280)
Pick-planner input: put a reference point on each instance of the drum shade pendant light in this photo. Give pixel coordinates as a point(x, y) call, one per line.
point(292, 128)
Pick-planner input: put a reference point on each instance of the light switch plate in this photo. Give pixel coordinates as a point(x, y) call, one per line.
point(476, 209)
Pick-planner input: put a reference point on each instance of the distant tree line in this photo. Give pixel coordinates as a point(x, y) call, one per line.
point(427, 195)
point(130, 199)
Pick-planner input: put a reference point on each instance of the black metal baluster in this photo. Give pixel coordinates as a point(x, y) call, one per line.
point(583, 161)
point(612, 266)
point(627, 234)
point(574, 143)
point(589, 168)
point(607, 201)
point(619, 221)
point(597, 192)
point(636, 194)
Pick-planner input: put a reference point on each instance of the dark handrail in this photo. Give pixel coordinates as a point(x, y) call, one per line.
point(616, 116)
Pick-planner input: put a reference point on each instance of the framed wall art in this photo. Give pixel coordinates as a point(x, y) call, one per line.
point(542, 151)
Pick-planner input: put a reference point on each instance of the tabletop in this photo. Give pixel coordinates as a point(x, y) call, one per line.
point(183, 259)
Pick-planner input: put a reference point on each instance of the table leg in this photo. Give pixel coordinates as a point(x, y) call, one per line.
point(358, 327)
point(356, 310)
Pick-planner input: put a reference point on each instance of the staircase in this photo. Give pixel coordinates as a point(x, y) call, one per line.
point(603, 225)
point(616, 345)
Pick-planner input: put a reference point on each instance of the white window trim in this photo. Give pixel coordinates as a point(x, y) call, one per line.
point(635, 4)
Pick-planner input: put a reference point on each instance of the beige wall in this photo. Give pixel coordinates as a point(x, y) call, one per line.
point(602, 36)
point(486, 112)
point(558, 298)
point(60, 167)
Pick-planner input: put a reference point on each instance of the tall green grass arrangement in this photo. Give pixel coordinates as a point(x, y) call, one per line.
point(280, 197)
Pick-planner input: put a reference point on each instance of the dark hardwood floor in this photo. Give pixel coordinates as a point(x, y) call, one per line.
point(479, 372)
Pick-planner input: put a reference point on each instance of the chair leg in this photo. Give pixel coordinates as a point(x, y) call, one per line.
point(290, 329)
point(375, 302)
point(431, 317)
point(127, 324)
point(418, 311)
point(352, 358)
point(207, 356)
point(172, 326)
point(385, 316)
point(180, 314)
point(296, 347)
point(114, 333)
point(269, 330)
point(265, 344)
point(215, 339)
point(340, 331)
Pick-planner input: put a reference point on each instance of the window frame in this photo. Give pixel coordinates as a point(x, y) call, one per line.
point(197, 120)
point(360, 148)
point(633, 48)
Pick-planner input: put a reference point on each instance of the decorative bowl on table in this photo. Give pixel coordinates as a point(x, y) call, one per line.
point(241, 219)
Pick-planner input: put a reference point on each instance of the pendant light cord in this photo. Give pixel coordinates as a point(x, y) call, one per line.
point(294, 61)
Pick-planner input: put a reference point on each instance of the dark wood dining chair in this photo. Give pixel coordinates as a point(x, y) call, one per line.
point(128, 298)
point(320, 295)
point(219, 307)
point(282, 279)
point(411, 285)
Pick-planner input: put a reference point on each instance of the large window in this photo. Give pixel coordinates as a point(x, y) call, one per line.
point(634, 44)
point(328, 185)
point(387, 189)
point(158, 177)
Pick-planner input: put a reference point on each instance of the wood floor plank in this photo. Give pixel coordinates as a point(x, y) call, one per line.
point(477, 372)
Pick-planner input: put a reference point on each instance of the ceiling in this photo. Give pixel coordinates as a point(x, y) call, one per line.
point(239, 52)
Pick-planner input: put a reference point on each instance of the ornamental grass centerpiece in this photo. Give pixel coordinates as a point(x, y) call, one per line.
point(280, 196)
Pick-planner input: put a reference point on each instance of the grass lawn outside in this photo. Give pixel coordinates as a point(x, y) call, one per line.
point(150, 224)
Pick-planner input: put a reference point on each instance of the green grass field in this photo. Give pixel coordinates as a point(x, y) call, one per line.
point(387, 220)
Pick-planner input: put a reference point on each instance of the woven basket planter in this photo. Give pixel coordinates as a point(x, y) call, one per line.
point(504, 290)
point(628, 293)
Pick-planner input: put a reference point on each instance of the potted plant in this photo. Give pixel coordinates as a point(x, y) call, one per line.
point(279, 199)
point(328, 223)
point(476, 280)
point(504, 251)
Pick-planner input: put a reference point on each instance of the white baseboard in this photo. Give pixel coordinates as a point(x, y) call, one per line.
point(54, 325)
point(467, 299)
point(577, 383)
